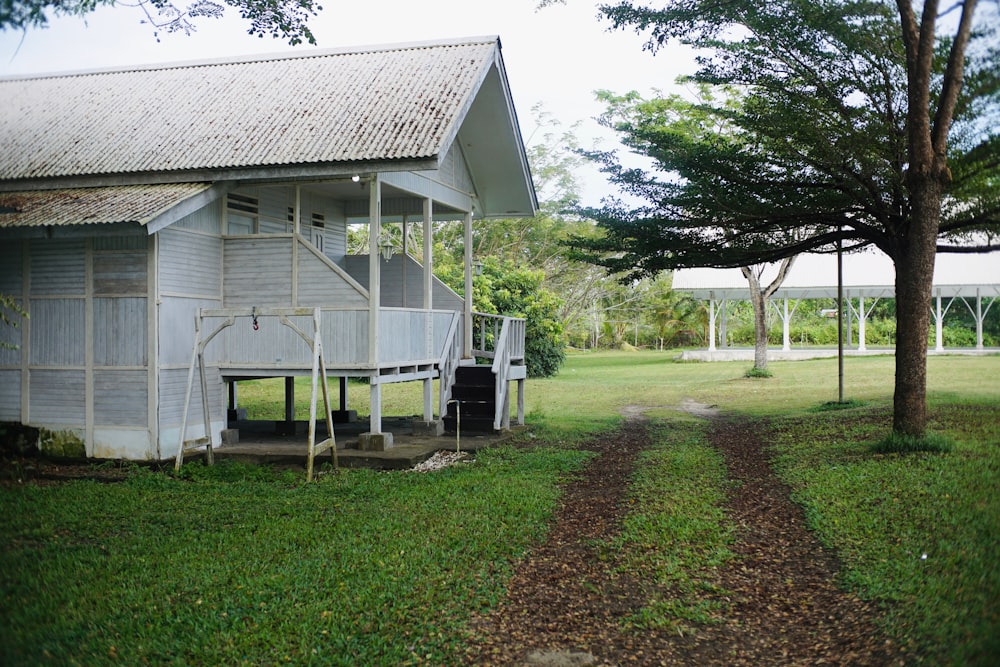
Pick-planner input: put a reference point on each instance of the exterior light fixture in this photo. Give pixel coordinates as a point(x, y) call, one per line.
point(355, 178)
point(477, 267)
point(385, 247)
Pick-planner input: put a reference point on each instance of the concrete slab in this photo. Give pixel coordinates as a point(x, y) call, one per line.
point(261, 443)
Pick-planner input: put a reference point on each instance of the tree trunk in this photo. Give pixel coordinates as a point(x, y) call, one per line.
point(759, 297)
point(914, 289)
point(759, 301)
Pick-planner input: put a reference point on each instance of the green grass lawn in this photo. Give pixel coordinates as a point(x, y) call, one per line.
point(244, 565)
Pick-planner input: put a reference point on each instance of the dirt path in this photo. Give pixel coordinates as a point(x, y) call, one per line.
point(566, 598)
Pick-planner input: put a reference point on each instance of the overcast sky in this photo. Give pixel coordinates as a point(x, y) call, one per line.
point(556, 57)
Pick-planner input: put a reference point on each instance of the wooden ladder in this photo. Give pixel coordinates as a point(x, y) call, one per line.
point(315, 342)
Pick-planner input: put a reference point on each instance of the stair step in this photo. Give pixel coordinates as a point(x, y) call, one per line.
point(470, 424)
point(473, 409)
point(475, 375)
point(464, 392)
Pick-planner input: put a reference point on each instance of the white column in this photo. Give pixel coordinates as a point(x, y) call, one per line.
point(711, 322)
point(862, 318)
point(979, 318)
point(428, 229)
point(786, 338)
point(939, 325)
point(374, 296)
point(467, 346)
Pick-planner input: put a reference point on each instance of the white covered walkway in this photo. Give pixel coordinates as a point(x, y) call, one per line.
point(970, 281)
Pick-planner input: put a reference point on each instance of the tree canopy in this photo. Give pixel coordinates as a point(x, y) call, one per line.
point(285, 19)
point(817, 121)
point(796, 136)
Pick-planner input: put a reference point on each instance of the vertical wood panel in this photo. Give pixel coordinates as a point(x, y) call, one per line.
point(173, 385)
point(120, 398)
point(258, 272)
point(10, 395)
point(57, 266)
point(189, 263)
point(120, 331)
point(57, 332)
point(57, 397)
point(11, 336)
point(11, 271)
point(207, 219)
point(120, 273)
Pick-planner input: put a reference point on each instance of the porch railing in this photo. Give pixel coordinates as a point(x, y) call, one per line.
point(501, 339)
point(451, 358)
point(486, 330)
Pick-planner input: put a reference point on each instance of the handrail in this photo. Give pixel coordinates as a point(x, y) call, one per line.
point(486, 335)
point(501, 369)
point(508, 347)
point(451, 357)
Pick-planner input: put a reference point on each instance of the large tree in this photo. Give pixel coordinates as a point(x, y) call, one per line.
point(860, 121)
point(286, 19)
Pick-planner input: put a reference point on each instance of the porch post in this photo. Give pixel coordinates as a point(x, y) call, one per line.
point(374, 297)
point(428, 229)
point(467, 343)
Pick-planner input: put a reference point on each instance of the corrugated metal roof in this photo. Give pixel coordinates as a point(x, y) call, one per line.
point(129, 203)
point(385, 103)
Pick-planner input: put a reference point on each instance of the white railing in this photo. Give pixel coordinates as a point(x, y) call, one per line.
point(486, 330)
point(502, 340)
point(451, 358)
point(409, 336)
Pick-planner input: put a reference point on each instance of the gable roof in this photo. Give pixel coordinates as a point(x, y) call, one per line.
point(314, 114)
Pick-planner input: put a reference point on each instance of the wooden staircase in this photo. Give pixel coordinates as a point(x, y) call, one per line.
point(475, 391)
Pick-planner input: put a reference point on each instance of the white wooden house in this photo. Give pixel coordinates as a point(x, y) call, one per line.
point(136, 203)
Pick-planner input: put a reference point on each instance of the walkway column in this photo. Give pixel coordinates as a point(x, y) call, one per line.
point(862, 317)
point(939, 325)
point(786, 338)
point(979, 318)
point(711, 321)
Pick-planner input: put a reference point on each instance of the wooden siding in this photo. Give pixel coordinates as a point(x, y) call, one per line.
point(404, 336)
point(392, 283)
point(175, 317)
point(258, 272)
point(57, 397)
point(120, 398)
point(58, 332)
point(137, 241)
point(10, 396)
point(10, 357)
point(345, 341)
point(454, 170)
point(57, 266)
point(272, 344)
point(320, 284)
point(119, 273)
point(120, 336)
point(11, 267)
point(173, 385)
point(189, 263)
point(345, 336)
point(207, 219)
point(274, 203)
